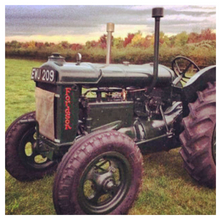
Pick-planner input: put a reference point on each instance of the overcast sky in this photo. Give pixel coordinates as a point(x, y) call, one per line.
point(81, 23)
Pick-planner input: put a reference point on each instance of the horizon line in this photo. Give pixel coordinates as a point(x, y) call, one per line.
point(77, 39)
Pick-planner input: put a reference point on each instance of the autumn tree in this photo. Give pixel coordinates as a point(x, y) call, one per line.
point(64, 44)
point(39, 45)
point(207, 35)
point(164, 40)
point(137, 40)
point(181, 39)
point(31, 44)
point(102, 42)
point(118, 42)
point(13, 44)
point(147, 41)
point(193, 37)
point(90, 44)
point(76, 46)
point(128, 39)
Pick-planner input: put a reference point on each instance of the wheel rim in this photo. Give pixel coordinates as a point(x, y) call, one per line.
point(104, 183)
point(214, 145)
point(28, 154)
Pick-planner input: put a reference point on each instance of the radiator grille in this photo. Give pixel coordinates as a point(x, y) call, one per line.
point(45, 112)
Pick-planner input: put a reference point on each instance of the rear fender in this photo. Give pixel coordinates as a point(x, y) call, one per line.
point(198, 83)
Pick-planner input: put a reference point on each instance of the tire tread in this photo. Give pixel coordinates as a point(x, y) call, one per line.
point(197, 137)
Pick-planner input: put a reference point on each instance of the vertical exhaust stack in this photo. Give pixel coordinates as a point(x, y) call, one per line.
point(157, 13)
point(109, 29)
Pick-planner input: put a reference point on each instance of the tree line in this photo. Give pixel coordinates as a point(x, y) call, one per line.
point(132, 40)
point(130, 48)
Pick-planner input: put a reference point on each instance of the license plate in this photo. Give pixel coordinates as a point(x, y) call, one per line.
point(43, 75)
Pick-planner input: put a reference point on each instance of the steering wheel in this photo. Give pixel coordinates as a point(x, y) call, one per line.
point(181, 66)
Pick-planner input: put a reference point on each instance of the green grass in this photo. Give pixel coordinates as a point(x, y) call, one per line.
point(19, 88)
point(166, 190)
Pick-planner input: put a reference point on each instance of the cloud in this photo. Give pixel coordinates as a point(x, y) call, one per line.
point(90, 20)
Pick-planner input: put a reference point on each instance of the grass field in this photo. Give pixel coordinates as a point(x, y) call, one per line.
point(166, 190)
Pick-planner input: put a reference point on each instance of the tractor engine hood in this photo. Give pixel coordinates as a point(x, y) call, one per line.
point(102, 75)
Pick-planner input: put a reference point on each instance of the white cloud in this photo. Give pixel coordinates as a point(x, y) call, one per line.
point(89, 21)
point(183, 17)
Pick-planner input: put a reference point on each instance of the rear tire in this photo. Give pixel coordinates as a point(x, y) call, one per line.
point(101, 174)
point(198, 138)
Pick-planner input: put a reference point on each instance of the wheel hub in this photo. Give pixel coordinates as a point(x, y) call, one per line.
point(109, 185)
point(104, 181)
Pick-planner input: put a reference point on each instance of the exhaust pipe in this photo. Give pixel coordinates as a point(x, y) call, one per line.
point(109, 29)
point(157, 13)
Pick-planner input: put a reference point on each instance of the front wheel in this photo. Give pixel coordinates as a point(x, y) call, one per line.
point(23, 162)
point(101, 174)
point(199, 138)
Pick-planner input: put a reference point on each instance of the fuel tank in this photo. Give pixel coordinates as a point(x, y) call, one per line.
point(112, 75)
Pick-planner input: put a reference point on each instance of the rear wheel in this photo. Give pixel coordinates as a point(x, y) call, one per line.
point(199, 138)
point(23, 161)
point(101, 174)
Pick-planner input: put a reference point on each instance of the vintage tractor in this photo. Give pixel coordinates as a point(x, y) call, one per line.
point(96, 120)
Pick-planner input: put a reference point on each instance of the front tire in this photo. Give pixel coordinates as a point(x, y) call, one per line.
point(101, 174)
point(23, 162)
point(198, 138)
